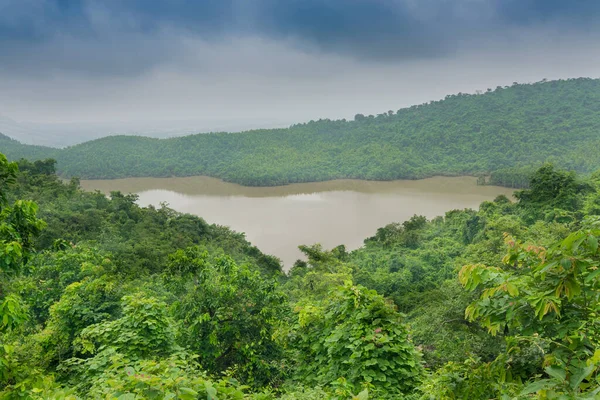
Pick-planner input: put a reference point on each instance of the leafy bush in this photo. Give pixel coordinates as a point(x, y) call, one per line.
point(356, 335)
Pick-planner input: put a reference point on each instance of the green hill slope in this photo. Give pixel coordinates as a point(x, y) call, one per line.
point(14, 149)
point(506, 128)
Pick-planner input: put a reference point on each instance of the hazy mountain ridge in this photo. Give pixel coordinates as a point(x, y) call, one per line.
point(505, 128)
point(69, 134)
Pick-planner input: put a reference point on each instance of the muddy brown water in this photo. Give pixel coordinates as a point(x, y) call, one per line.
point(278, 219)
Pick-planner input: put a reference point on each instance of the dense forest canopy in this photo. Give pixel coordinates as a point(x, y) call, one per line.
point(103, 299)
point(504, 132)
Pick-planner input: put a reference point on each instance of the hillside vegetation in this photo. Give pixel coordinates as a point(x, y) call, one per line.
point(504, 132)
point(103, 299)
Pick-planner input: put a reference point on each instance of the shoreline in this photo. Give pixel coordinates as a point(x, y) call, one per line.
point(206, 185)
point(66, 179)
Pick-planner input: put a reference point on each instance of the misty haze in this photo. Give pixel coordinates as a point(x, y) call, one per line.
point(300, 199)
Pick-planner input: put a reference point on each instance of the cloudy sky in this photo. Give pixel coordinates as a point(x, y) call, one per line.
point(276, 61)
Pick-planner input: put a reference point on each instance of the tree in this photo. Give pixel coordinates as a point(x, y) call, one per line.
point(18, 226)
point(229, 314)
point(8, 173)
point(547, 299)
point(552, 188)
point(18, 223)
point(356, 335)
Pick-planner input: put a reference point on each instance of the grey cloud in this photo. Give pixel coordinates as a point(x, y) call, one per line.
point(125, 38)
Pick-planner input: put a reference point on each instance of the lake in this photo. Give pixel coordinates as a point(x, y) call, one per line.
point(278, 219)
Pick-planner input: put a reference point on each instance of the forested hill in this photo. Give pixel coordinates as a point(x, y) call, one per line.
point(13, 148)
point(512, 127)
point(103, 299)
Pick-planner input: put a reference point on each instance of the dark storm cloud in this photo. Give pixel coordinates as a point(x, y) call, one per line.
point(562, 12)
point(115, 37)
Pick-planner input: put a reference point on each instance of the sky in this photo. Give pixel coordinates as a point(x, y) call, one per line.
point(237, 64)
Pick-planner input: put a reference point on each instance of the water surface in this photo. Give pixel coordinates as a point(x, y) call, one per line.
point(278, 219)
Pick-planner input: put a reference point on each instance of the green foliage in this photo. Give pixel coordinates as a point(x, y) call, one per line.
point(360, 337)
point(91, 301)
point(13, 313)
point(116, 301)
point(549, 297)
point(49, 273)
point(18, 227)
point(471, 380)
point(514, 177)
point(550, 188)
point(228, 313)
point(172, 378)
point(314, 280)
point(440, 329)
point(403, 260)
point(506, 131)
point(144, 329)
point(8, 172)
point(18, 223)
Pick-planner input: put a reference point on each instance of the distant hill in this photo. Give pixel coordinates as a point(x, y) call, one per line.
point(13, 149)
point(508, 128)
point(70, 134)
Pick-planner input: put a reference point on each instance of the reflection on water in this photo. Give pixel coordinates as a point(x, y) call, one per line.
point(278, 219)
